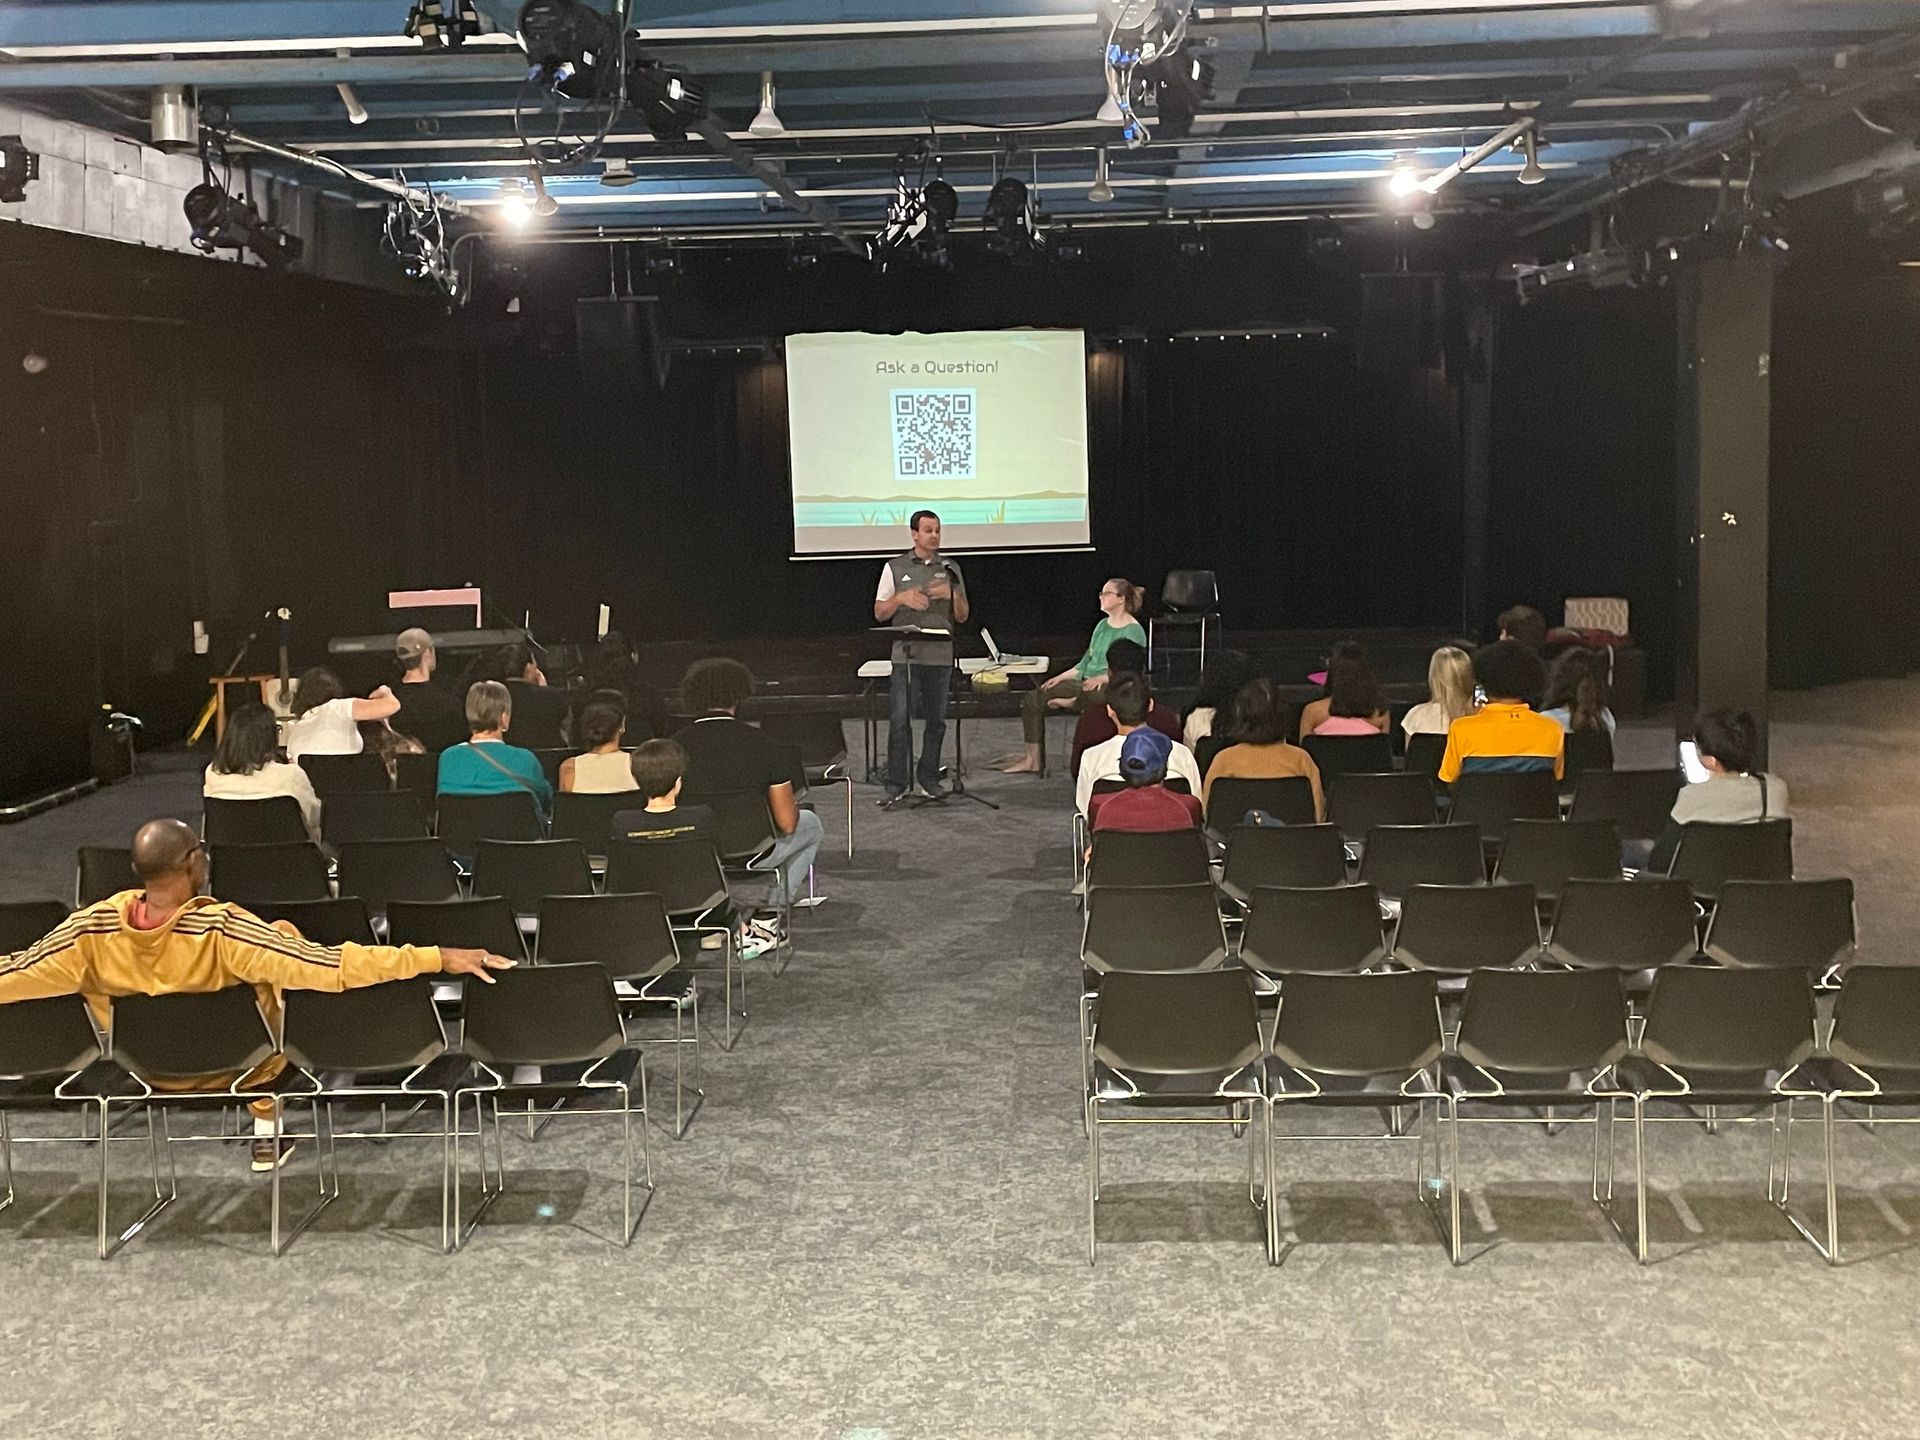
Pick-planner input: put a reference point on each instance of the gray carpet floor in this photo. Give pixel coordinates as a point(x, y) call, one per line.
point(875, 1226)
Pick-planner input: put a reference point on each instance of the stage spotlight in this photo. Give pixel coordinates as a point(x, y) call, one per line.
point(766, 124)
point(430, 24)
point(1182, 83)
point(1101, 191)
point(515, 206)
point(919, 215)
point(18, 165)
point(1403, 181)
point(562, 38)
point(543, 203)
point(220, 221)
point(1009, 211)
point(1531, 173)
point(617, 175)
point(668, 98)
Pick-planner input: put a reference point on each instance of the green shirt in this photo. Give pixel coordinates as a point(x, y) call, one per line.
point(1094, 662)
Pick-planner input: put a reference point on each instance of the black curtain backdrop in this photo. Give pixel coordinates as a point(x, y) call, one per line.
point(1846, 443)
point(1582, 494)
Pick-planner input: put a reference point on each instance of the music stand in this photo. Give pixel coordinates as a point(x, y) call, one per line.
point(957, 774)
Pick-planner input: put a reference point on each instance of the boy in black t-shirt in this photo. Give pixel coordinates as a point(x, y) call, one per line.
point(658, 767)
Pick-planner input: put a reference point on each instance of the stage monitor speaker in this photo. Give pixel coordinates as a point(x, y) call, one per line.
point(621, 347)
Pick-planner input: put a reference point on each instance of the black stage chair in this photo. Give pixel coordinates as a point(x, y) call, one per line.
point(1709, 855)
point(275, 820)
point(336, 922)
point(466, 820)
point(1168, 1046)
point(44, 1044)
point(687, 877)
point(1630, 925)
point(1168, 857)
point(372, 815)
point(1322, 929)
point(1803, 924)
point(1287, 798)
point(380, 871)
point(257, 874)
point(1457, 929)
point(589, 818)
point(1424, 754)
point(333, 775)
point(23, 922)
point(100, 872)
point(525, 871)
point(565, 1020)
point(1586, 750)
point(1338, 756)
point(822, 742)
point(1547, 853)
point(1293, 855)
point(1493, 801)
point(419, 776)
point(1158, 929)
point(1362, 801)
point(1638, 802)
point(1399, 856)
point(485, 923)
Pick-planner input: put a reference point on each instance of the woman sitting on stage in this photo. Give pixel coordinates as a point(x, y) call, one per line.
point(1070, 690)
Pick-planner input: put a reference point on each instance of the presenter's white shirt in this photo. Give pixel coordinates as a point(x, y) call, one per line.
point(1102, 762)
point(328, 729)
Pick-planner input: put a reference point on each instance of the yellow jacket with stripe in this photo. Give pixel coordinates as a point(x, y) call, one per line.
point(206, 944)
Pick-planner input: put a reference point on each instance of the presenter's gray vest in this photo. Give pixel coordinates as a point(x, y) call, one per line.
point(910, 572)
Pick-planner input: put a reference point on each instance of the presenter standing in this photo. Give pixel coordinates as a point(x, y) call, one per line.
point(923, 589)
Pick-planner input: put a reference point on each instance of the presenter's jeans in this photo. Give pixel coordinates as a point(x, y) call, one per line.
point(791, 856)
point(1033, 708)
point(918, 690)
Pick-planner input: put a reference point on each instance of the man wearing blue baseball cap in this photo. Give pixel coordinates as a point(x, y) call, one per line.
point(1146, 804)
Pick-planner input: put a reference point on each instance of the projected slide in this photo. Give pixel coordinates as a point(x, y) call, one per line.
point(988, 427)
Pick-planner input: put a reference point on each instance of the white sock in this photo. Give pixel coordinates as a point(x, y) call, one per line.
point(262, 1129)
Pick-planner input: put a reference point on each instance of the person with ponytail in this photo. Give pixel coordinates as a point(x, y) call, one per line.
point(1120, 604)
point(1577, 692)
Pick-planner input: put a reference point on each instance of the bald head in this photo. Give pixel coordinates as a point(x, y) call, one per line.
point(162, 848)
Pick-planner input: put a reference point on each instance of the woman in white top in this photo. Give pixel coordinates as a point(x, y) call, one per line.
point(1450, 684)
point(246, 767)
point(326, 720)
point(605, 769)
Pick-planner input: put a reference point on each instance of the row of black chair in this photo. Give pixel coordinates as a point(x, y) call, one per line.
point(1623, 925)
point(1335, 756)
point(1176, 1048)
point(1545, 853)
point(565, 1020)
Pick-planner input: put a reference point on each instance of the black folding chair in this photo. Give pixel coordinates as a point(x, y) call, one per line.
point(564, 1020)
point(1156, 928)
point(258, 874)
point(1366, 799)
point(1292, 930)
point(1293, 855)
point(1454, 930)
point(1338, 756)
point(335, 922)
point(550, 760)
point(1873, 1059)
point(1585, 750)
point(822, 742)
point(483, 923)
point(177, 1041)
point(632, 936)
point(1288, 799)
point(377, 1043)
point(466, 820)
point(1425, 751)
point(334, 775)
point(1532, 1039)
point(525, 871)
point(1164, 1047)
point(1547, 853)
point(1350, 1041)
point(352, 815)
point(1494, 801)
point(1631, 925)
point(1166, 857)
point(101, 872)
point(275, 820)
point(687, 877)
point(1714, 1037)
point(22, 922)
point(1799, 924)
point(382, 871)
point(419, 776)
point(1400, 856)
point(1638, 802)
point(44, 1045)
point(1709, 855)
point(589, 818)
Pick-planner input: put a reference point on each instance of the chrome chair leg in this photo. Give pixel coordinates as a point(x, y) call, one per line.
point(1093, 1172)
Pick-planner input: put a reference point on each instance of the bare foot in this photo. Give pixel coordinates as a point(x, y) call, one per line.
point(1021, 767)
point(1004, 761)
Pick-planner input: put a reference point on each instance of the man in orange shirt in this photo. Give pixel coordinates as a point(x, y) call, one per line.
point(1505, 735)
point(169, 938)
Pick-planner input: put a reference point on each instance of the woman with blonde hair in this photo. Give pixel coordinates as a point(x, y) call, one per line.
point(1450, 684)
point(1072, 690)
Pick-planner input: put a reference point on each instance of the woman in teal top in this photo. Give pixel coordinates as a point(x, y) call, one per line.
point(1071, 690)
point(486, 764)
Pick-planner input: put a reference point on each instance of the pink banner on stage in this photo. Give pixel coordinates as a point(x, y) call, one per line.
point(412, 599)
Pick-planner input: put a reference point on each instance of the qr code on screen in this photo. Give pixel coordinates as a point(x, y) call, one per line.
point(934, 434)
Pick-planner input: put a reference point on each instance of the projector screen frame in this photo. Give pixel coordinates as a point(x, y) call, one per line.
point(1078, 436)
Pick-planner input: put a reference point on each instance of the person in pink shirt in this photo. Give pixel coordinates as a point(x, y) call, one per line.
point(1355, 705)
